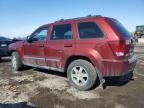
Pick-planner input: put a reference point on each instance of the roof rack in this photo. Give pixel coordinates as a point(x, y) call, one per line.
point(88, 16)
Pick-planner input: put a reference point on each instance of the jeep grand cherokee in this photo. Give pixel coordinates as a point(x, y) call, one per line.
point(88, 49)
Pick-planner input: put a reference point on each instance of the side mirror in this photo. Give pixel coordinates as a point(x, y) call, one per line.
point(29, 39)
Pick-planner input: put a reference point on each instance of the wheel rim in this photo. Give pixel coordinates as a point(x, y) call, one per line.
point(14, 63)
point(79, 75)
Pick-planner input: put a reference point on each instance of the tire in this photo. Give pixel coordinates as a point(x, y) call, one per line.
point(16, 61)
point(81, 74)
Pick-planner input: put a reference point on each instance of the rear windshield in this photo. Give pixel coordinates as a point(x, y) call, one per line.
point(119, 28)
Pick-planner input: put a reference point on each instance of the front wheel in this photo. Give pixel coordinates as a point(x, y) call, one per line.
point(81, 74)
point(16, 61)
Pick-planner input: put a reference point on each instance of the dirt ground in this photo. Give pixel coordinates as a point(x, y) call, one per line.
point(37, 88)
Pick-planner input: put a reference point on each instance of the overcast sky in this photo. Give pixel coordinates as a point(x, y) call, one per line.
point(19, 18)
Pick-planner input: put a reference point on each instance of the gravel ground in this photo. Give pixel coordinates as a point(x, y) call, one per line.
point(37, 88)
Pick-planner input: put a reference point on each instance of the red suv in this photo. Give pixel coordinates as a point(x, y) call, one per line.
point(87, 48)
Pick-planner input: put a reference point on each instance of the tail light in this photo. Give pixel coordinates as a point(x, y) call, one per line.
point(120, 49)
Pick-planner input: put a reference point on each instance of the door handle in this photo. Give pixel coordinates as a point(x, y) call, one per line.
point(68, 45)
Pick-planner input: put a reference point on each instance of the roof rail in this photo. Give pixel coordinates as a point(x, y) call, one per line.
point(88, 16)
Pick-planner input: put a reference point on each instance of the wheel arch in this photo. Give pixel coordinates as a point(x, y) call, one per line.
point(15, 50)
point(75, 57)
point(90, 59)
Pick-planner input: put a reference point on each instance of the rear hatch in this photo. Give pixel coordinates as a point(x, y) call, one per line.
point(124, 46)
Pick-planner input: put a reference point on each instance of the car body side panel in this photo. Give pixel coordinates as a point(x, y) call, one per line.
point(17, 46)
point(28, 53)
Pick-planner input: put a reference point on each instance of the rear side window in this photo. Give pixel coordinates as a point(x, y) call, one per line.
point(118, 27)
point(61, 32)
point(89, 30)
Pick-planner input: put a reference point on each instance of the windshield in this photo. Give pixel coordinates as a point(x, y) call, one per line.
point(119, 28)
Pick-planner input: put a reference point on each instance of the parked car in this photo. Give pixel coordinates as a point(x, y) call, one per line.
point(4, 43)
point(88, 49)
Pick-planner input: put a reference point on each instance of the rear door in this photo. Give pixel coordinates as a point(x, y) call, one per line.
point(60, 46)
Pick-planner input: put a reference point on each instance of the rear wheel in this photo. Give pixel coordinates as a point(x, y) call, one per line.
point(81, 74)
point(16, 61)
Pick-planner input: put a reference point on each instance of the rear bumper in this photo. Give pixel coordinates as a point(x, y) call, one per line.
point(118, 67)
point(4, 51)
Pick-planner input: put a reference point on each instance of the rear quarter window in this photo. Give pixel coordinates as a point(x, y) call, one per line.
point(119, 28)
point(89, 30)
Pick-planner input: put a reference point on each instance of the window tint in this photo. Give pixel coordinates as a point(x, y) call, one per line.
point(89, 30)
point(118, 27)
point(61, 32)
point(40, 34)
